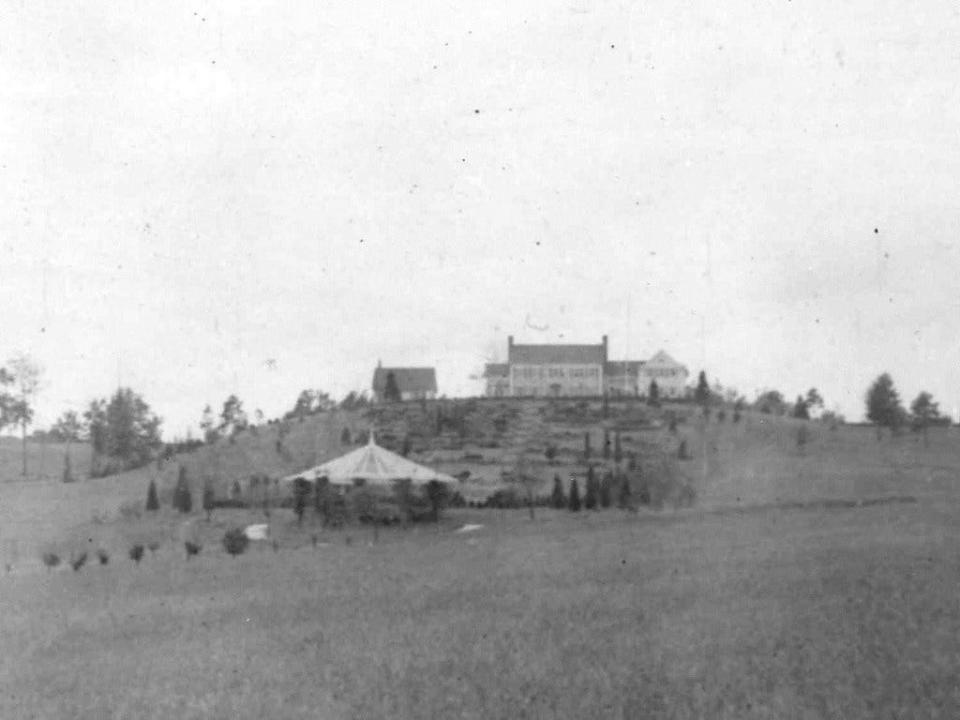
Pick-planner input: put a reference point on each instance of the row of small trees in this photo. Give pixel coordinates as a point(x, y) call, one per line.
point(598, 493)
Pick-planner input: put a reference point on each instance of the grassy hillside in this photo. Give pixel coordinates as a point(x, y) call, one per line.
point(847, 613)
point(45, 460)
point(754, 462)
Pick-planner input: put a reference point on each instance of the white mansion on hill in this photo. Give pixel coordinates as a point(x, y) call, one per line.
point(580, 370)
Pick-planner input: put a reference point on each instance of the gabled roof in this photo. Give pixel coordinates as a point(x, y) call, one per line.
point(496, 370)
point(661, 358)
point(624, 367)
point(372, 464)
point(409, 379)
point(557, 354)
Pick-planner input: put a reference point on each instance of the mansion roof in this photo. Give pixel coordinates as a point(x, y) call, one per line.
point(557, 354)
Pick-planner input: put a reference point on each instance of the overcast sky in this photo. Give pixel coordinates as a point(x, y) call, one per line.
point(215, 197)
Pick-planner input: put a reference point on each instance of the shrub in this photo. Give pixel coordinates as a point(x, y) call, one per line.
point(79, 561)
point(192, 548)
point(103, 556)
point(345, 436)
point(153, 503)
point(136, 553)
point(51, 560)
point(235, 541)
point(574, 497)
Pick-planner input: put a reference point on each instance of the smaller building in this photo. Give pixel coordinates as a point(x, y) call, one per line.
point(413, 383)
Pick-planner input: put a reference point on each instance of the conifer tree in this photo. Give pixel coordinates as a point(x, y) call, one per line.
point(574, 496)
point(590, 498)
point(153, 503)
point(182, 500)
point(606, 490)
point(625, 498)
point(557, 498)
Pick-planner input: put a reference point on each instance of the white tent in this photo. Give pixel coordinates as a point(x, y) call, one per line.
point(372, 464)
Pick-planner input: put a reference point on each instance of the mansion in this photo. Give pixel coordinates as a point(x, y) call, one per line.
point(580, 370)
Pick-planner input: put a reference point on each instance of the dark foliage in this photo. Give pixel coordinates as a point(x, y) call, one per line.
point(574, 496)
point(606, 490)
point(182, 499)
point(136, 553)
point(153, 503)
point(235, 541)
point(103, 556)
point(51, 560)
point(192, 549)
point(558, 499)
point(79, 561)
point(590, 498)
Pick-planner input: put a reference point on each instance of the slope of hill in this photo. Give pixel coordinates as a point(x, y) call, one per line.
point(45, 460)
point(757, 461)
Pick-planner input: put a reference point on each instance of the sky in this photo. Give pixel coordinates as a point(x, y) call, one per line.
point(208, 198)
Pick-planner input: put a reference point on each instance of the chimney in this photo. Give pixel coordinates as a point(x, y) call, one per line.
point(605, 356)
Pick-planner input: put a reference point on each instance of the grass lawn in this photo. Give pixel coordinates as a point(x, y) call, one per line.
point(846, 613)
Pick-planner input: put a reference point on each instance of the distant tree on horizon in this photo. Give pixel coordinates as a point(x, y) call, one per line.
point(26, 373)
point(209, 426)
point(124, 429)
point(771, 402)
point(814, 399)
point(233, 419)
point(702, 394)
point(883, 405)
point(800, 410)
point(924, 412)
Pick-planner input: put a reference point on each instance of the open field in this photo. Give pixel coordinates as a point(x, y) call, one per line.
point(762, 614)
point(770, 598)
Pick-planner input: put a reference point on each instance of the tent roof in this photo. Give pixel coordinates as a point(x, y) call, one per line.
point(373, 464)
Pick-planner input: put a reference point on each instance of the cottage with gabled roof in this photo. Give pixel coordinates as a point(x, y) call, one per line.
point(413, 383)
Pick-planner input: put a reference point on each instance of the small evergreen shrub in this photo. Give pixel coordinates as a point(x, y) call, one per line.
point(136, 553)
point(192, 548)
point(51, 560)
point(235, 541)
point(103, 556)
